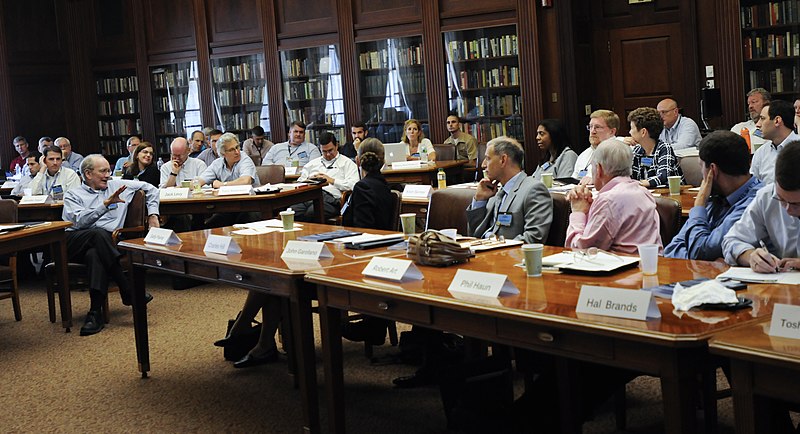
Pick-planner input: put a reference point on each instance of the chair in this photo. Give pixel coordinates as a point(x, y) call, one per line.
point(558, 228)
point(271, 174)
point(395, 224)
point(445, 152)
point(256, 160)
point(135, 225)
point(447, 209)
point(691, 170)
point(8, 273)
point(669, 218)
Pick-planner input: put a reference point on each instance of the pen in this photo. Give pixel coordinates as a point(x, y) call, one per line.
point(764, 246)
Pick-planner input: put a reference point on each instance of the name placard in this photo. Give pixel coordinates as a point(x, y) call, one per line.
point(39, 198)
point(221, 245)
point(616, 302)
point(481, 284)
point(305, 250)
point(174, 193)
point(161, 236)
point(417, 191)
point(290, 170)
point(392, 269)
point(230, 190)
point(785, 321)
point(407, 165)
point(9, 184)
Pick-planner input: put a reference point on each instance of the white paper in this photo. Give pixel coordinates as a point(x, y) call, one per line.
point(392, 269)
point(399, 165)
point(618, 303)
point(602, 262)
point(305, 250)
point(231, 190)
point(746, 274)
point(255, 231)
point(412, 191)
point(174, 193)
point(222, 245)
point(161, 236)
point(785, 321)
point(271, 223)
point(480, 245)
point(481, 284)
point(39, 198)
point(9, 184)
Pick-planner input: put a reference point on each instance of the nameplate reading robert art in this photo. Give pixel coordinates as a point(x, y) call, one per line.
point(785, 321)
point(174, 193)
point(616, 302)
point(221, 245)
point(417, 191)
point(161, 236)
point(392, 269)
point(481, 284)
point(305, 250)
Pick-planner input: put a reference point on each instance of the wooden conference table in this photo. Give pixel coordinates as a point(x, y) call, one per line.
point(426, 174)
point(259, 267)
point(542, 318)
point(52, 234)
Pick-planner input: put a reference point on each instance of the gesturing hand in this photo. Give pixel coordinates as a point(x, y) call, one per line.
point(114, 198)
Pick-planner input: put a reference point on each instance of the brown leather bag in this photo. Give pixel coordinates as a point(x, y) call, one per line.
point(436, 249)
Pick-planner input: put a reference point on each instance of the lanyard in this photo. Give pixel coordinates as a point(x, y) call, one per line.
point(673, 129)
point(289, 148)
point(322, 160)
point(49, 187)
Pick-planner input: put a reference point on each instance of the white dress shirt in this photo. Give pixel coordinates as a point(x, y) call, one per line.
point(763, 164)
point(191, 169)
point(342, 169)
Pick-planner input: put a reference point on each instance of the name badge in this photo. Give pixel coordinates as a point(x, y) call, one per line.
point(392, 269)
point(504, 219)
point(38, 198)
point(616, 302)
point(305, 250)
point(546, 165)
point(583, 173)
point(230, 190)
point(302, 154)
point(417, 191)
point(173, 193)
point(161, 236)
point(647, 161)
point(785, 321)
point(221, 245)
point(481, 284)
point(57, 189)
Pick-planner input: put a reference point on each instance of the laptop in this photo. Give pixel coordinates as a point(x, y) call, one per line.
point(394, 152)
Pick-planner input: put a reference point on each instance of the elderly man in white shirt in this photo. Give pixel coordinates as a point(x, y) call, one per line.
point(776, 124)
point(757, 98)
point(181, 166)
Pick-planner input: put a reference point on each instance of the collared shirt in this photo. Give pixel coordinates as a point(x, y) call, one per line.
point(83, 206)
point(763, 164)
point(342, 169)
point(466, 146)
point(622, 216)
point(755, 134)
point(120, 164)
point(191, 169)
point(583, 163)
point(208, 156)
point(423, 144)
point(766, 220)
point(701, 235)
point(285, 154)
point(684, 134)
point(219, 171)
point(657, 167)
point(23, 183)
point(249, 147)
point(22, 163)
point(43, 183)
point(561, 168)
point(73, 161)
point(507, 188)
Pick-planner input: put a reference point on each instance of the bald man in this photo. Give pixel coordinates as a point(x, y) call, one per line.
point(181, 166)
point(679, 131)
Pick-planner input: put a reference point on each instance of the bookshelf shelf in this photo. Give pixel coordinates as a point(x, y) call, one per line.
point(118, 112)
point(240, 94)
point(176, 102)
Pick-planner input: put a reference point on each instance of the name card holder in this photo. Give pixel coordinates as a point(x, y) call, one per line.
point(617, 302)
point(305, 250)
point(478, 283)
point(38, 198)
point(406, 165)
point(222, 245)
point(392, 269)
point(290, 170)
point(161, 236)
point(9, 184)
point(173, 193)
point(785, 321)
point(230, 190)
point(417, 191)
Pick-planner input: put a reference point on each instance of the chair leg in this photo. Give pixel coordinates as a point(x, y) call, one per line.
point(12, 262)
point(51, 300)
point(393, 334)
point(620, 408)
point(105, 311)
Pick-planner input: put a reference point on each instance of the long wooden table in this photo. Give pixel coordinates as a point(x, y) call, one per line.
point(542, 318)
point(426, 174)
point(49, 234)
point(260, 268)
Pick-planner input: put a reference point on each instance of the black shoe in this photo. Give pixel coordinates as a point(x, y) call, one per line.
point(228, 340)
point(371, 332)
point(411, 381)
point(249, 360)
point(93, 324)
point(126, 298)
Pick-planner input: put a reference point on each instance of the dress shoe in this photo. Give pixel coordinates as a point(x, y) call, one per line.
point(127, 301)
point(411, 381)
point(371, 332)
point(93, 324)
point(228, 340)
point(249, 360)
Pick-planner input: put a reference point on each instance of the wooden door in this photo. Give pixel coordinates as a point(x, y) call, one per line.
point(646, 67)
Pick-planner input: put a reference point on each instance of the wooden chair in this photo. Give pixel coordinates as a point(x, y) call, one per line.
point(691, 170)
point(8, 273)
point(447, 209)
point(445, 152)
point(271, 174)
point(558, 228)
point(256, 160)
point(669, 217)
point(135, 225)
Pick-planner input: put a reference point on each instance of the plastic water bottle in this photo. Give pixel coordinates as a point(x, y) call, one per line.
point(159, 163)
point(423, 155)
point(745, 133)
point(441, 179)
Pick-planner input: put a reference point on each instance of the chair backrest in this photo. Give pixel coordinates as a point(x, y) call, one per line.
point(669, 218)
point(691, 170)
point(137, 211)
point(481, 154)
point(271, 174)
point(445, 152)
point(398, 196)
point(256, 160)
point(8, 211)
point(558, 229)
point(447, 209)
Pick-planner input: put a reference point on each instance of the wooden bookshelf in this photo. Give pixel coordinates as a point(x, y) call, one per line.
point(118, 112)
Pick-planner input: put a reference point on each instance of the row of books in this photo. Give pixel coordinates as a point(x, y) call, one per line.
point(770, 14)
point(312, 134)
point(241, 72)
point(314, 116)
point(166, 104)
point(498, 105)
point(409, 82)
point(777, 80)
point(169, 78)
point(380, 59)
point(483, 48)
point(312, 89)
point(119, 127)
point(772, 45)
point(239, 121)
point(126, 106)
point(248, 95)
point(378, 112)
point(113, 147)
point(503, 76)
point(486, 131)
point(300, 67)
point(117, 85)
point(175, 125)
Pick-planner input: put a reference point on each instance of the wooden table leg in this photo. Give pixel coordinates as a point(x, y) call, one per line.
point(303, 332)
point(140, 319)
point(678, 387)
point(319, 206)
point(569, 384)
point(59, 251)
point(331, 329)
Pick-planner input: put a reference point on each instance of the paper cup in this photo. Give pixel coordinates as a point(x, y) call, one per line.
point(287, 218)
point(547, 180)
point(452, 233)
point(533, 259)
point(186, 183)
point(409, 222)
point(674, 185)
point(648, 258)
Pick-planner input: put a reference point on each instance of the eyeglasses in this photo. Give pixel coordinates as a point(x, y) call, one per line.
point(591, 127)
point(784, 203)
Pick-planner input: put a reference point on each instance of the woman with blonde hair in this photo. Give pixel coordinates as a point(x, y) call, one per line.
point(416, 143)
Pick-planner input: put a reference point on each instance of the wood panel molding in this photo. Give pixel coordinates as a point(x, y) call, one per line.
point(309, 17)
point(233, 22)
point(459, 8)
point(170, 26)
point(349, 68)
point(380, 13)
point(272, 61)
point(433, 54)
point(6, 102)
point(530, 78)
point(50, 43)
point(203, 63)
point(729, 72)
point(143, 76)
point(112, 38)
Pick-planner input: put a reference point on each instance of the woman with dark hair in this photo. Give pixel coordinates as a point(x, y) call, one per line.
point(142, 167)
point(369, 204)
point(557, 157)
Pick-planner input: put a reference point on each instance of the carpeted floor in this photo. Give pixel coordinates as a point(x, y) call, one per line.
point(57, 382)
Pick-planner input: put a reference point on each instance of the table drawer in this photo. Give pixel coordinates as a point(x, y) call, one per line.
point(245, 278)
point(164, 262)
point(560, 341)
point(390, 308)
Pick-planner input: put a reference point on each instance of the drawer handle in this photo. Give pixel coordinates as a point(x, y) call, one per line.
point(545, 337)
point(210, 206)
point(158, 262)
point(383, 306)
point(238, 277)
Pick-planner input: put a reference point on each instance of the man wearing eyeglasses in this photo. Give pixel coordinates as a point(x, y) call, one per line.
point(767, 237)
point(603, 124)
point(679, 131)
point(776, 124)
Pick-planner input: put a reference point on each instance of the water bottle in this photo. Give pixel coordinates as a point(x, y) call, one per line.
point(746, 135)
point(159, 163)
point(423, 154)
point(441, 179)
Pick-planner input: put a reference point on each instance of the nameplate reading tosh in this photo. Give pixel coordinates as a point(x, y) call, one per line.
point(785, 321)
point(481, 284)
point(616, 302)
point(222, 245)
point(392, 269)
point(305, 250)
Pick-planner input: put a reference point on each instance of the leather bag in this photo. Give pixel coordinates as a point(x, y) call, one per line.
point(436, 249)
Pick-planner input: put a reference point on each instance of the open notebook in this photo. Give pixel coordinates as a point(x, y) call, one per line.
point(603, 262)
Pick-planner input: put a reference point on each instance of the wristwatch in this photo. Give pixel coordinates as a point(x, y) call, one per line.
point(174, 174)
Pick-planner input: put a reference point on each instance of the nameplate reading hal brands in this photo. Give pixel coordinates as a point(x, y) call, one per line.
point(417, 191)
point(161, 236)
point(221, 245)
point(785, 321)
point(39, 198)
point(481, 284)
point(616, 302)
point(230, 190)
point(392, 269)
point(406, 165)
point(305, 250)
point(174, 193)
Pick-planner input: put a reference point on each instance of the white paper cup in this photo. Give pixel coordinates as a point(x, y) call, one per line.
point(409, 222)
point(547, 180)
point(648, 258)
point(287, 218)
point(674, 185)
point(27, 191)
point(452, 233)
point(533, 259)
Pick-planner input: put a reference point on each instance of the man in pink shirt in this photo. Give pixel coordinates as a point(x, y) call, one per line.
point(622, 216)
